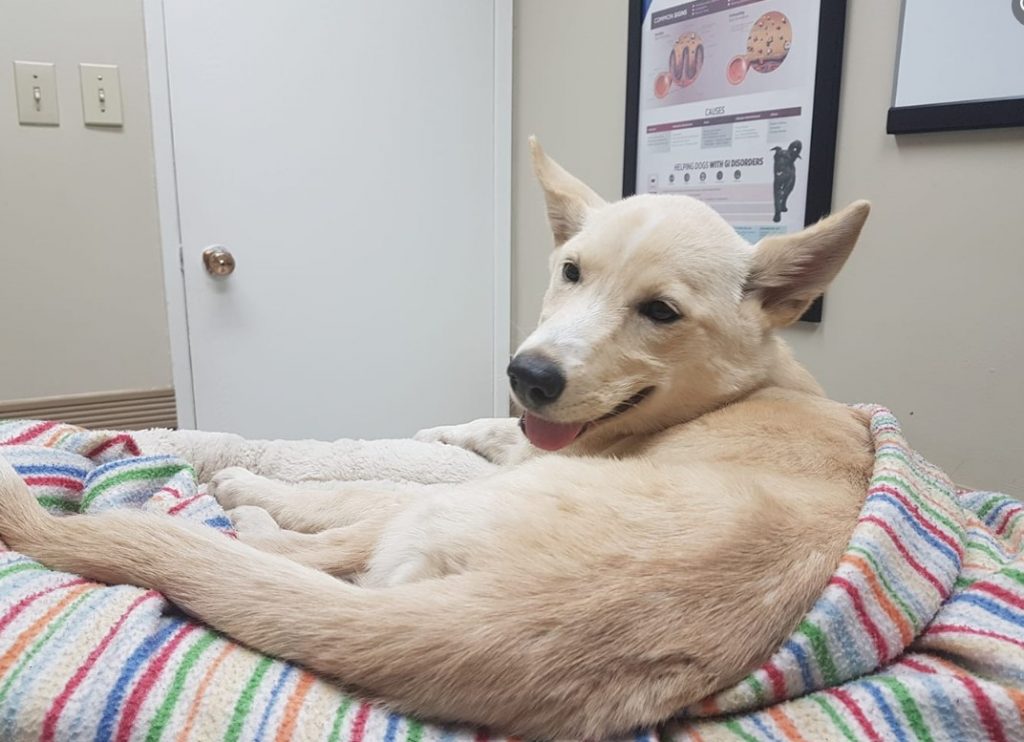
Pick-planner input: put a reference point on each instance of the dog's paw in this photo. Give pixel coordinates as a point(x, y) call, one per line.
point(251, 520)
point(472, 436)
point(446, 434)
point(235, 486)
point(495, 439)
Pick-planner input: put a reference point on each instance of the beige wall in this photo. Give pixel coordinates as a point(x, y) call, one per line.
point(569, 82)
point(81, 293)
point(927, 318)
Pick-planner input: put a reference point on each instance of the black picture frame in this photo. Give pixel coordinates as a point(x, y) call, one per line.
point(824, 124)
point(966, 115)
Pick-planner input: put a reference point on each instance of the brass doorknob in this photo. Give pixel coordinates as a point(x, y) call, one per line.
point(218, 261)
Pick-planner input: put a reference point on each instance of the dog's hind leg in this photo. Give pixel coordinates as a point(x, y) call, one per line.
point(306, 509)
point(453, 648)
point(787, 189)
point(540, 643)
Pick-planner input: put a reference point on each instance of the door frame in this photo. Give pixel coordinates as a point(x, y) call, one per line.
point(170, 222)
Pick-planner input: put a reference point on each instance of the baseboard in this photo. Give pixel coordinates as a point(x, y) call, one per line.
point(126, 410)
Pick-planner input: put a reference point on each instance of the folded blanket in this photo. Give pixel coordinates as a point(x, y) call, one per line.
point(919, 635)
point(403, 461)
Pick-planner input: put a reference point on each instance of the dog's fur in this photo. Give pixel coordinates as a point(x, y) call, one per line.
point(662, 556)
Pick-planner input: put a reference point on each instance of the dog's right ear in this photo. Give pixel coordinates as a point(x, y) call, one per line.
point(568, 198)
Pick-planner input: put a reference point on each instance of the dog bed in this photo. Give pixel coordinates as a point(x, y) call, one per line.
point(919, 635)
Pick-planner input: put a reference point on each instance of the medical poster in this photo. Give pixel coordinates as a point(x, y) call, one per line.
point(726, 105)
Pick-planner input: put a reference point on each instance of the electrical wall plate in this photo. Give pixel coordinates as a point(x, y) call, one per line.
point(101, 95)
point(35, 85)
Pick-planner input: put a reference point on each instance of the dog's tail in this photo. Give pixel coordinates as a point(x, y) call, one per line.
point(19, 510)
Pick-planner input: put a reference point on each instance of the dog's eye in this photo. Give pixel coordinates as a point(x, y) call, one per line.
point(659, 311)
point(571, 272)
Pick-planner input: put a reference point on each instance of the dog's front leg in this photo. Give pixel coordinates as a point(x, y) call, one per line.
point(342, 552)
point(499, 440)
point(296, 507)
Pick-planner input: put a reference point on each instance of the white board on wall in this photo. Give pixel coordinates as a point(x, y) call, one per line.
point(960, 66)
point(953, 51)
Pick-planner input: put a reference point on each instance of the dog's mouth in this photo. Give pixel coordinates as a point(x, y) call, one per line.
point(551, 436)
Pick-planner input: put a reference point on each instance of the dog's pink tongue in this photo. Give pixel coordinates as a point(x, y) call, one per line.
point(550, 436)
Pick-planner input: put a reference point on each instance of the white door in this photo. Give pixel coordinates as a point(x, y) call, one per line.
point(353, 158)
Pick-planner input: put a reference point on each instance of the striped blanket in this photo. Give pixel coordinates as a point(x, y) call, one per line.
point(919, 635)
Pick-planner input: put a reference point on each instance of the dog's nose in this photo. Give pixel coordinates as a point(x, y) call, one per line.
point(536, 380)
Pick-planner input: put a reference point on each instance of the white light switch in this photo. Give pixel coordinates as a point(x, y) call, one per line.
point(35, 84)
point(101, 95)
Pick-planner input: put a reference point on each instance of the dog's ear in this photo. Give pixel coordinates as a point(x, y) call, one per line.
point(788, 272)
point(568, 198)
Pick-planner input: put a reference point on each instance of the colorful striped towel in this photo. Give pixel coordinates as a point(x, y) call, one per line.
point(918, 636)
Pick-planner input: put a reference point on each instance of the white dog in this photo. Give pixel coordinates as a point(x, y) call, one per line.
point(701, 495)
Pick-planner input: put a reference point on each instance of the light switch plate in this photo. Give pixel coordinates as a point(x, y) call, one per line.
point(101, 95)
point(35, 85)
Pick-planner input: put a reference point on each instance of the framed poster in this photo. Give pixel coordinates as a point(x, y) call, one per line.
point(982, 90)
point(735, 102)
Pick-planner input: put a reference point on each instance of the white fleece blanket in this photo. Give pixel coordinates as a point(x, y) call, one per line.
point(404, 461)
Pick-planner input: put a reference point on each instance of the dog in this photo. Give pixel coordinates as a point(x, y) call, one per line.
point(785, 176)
point(675, 496)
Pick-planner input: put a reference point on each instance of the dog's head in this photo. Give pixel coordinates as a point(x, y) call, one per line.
point(790, 154)
point(658, 311)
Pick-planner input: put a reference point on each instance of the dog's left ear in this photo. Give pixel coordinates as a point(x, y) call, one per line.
point(568, 198)
point(788, 272)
